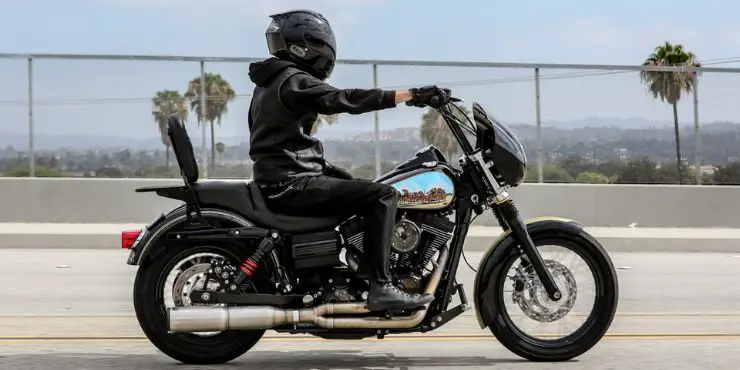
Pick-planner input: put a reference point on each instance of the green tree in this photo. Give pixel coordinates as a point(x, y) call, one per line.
point(219, 94)
point(109, 171)
point(323, 120)
point(220, 147)
point(575, 164)
point(588, 177)
point(669, 86)
point(640, 170)
point(40, 171)
point(668, 174)
point(610, 168)
point(727, 174)
point(434, 130)
point(166, 103)
point(550, 173)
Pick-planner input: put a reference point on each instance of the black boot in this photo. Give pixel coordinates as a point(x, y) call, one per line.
point(389, 297)
point(377, 240)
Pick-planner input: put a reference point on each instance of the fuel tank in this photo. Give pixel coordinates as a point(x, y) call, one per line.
point(424, 188)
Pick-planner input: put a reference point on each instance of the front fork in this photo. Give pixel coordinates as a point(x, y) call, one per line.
point(508, 217)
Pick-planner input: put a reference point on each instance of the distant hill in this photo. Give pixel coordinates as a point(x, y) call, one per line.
point(76, 141)
point(623, 123)
point(399, 134)
point(561, 132)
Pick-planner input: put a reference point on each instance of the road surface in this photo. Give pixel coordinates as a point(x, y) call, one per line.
point(71, 309)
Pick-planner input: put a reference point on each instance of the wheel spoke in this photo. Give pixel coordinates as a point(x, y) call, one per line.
point(536, 314)
point(189, 274)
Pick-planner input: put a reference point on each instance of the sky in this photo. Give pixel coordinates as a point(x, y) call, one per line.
point(112, 97)
point(425, 182)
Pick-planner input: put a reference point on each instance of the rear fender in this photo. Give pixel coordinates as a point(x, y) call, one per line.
point(501, 249)
point(150, 243)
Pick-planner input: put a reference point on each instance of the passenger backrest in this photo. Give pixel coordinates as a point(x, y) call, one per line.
point(183, 149)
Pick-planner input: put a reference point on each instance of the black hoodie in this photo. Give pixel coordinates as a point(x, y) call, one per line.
point(285, 106)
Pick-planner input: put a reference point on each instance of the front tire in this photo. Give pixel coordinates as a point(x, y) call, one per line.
point(589, 333)
point(189, 348)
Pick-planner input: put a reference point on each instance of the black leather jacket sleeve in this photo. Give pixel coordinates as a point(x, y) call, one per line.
point(302, 93)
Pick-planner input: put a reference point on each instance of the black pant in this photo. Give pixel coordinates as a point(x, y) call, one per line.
point(330, 196)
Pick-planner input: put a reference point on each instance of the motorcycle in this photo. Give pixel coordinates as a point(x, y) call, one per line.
point(237, 268)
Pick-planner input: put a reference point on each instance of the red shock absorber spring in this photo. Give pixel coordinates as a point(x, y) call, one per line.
point(248, 267)
point(251, 264)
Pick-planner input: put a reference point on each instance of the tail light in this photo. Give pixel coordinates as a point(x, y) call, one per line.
point(129, 238)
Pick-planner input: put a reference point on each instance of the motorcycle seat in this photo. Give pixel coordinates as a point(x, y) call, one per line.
point(245, 198)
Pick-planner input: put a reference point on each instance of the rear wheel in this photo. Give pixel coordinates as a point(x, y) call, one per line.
point(167, 282)
point(533, 326)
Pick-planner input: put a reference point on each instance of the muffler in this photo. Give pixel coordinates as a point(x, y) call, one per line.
point(206, 319)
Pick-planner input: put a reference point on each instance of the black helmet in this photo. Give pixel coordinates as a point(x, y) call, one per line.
point(304, 37)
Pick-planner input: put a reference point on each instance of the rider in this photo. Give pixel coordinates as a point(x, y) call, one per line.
point(289, 164)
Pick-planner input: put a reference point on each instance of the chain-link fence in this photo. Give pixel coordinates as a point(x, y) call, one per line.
point(98, 115)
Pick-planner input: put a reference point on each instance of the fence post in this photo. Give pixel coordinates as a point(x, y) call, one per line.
point(697, 139)
point(31, 151)
point(203, 107)
point(377, 126)
point(540, 160)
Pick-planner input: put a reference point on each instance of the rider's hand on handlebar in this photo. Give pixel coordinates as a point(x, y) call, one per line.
point(431, 95)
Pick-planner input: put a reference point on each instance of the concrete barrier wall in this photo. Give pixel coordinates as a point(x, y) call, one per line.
point(57, 200)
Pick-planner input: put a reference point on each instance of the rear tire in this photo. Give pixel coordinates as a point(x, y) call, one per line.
point(590, 332)
point(188, 348)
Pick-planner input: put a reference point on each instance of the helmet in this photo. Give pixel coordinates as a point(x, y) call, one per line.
point(304, 37)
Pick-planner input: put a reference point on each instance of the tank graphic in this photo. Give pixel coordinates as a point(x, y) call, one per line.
point(430, 190)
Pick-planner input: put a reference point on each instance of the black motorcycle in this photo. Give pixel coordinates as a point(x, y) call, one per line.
point(217, 272)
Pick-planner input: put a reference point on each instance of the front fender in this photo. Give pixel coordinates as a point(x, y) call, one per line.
point(500, 250)
point(148, 247)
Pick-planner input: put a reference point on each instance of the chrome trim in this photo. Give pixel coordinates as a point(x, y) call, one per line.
point(499, 192)
point(205, 319)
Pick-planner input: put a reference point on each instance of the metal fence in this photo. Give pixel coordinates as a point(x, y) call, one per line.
point(535, 75)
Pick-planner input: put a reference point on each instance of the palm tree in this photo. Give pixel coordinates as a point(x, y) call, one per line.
point(324, 120)
point(166, 103)
point(434, 131)
point(669, 86)
point(219, 94)
point(220, 147)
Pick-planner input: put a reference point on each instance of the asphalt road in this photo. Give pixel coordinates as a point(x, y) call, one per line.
point(434, 354)
point(65, 309)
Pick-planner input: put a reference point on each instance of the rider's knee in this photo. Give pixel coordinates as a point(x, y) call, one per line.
point(385, 191)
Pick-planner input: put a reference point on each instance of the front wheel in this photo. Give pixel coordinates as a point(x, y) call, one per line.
point(529, 323)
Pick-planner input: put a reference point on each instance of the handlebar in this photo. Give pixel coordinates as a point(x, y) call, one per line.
point(435, 100)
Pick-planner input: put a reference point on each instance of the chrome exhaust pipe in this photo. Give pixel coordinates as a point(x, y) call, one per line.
point(207, 319)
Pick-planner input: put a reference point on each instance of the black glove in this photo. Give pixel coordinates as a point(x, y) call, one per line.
point(430, 95)
point(338, 172)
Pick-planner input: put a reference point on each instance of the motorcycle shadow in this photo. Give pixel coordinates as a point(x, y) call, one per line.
point(362, 360)
point(277, 360)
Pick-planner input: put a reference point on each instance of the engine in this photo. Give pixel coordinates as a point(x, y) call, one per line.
point(417, 238)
